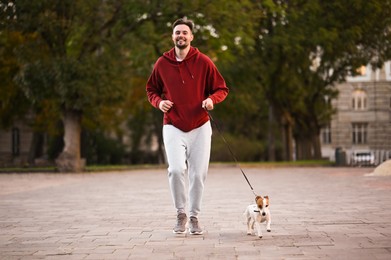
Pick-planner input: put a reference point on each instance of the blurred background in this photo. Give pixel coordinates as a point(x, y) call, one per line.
point(309, 80)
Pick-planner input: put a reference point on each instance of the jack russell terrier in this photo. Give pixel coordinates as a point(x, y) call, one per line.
point(256, 214)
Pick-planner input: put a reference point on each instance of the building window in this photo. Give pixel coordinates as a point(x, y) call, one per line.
point(359, 100)
point(360, 131)
point(326, 135)
point(15, 141)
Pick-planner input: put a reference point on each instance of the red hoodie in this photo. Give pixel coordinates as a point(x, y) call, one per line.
point(186, 83)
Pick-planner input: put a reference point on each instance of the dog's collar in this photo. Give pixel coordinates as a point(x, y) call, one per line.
point(257, 211)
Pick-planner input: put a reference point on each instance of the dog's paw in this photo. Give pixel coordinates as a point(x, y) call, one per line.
point(260, 236)
point(249, 233)
point(269, 230)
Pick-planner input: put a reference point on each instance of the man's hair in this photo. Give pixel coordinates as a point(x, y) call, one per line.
point(184, 21)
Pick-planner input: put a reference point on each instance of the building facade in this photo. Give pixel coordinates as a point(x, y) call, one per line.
point(15, 143)
point(363, 118)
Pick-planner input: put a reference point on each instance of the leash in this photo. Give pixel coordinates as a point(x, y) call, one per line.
point(230, 150)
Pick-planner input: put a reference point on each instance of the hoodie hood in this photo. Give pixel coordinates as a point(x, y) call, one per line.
point(170, 55)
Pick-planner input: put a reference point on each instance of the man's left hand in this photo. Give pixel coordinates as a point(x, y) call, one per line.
point(207, 104)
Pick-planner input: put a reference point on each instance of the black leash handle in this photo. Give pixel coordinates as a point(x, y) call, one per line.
point(230, 150)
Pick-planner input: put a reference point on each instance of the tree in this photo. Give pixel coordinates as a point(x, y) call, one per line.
point(305, 48)
point(84, 57)
point(350, 35)
point(76, 59)
point(13, 103)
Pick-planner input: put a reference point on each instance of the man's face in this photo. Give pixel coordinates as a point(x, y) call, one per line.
point(182, 36)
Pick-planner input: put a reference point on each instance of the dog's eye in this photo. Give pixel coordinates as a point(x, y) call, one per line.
point(267, 206)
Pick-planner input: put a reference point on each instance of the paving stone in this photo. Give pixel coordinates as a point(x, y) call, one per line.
point(317, 213)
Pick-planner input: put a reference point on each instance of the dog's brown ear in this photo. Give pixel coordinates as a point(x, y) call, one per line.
point(257, 198)
point(266, 197)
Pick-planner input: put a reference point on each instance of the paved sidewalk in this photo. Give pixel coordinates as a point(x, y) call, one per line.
point(317, 213)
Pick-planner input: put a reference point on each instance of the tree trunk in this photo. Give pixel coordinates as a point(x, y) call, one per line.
point(36, 147)
point(317, 146)
point(289, 142)
point(271, 147)
point(69, 160)
point(287, 128)
point(299, 148)
point(308, 147)
point(158, 128)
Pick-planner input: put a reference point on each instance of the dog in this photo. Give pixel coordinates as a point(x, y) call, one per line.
point(258, 213)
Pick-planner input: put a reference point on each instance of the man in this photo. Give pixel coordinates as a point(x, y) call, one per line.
point(184, 84)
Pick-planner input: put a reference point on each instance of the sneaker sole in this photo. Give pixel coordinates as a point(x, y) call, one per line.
point(179, 232)
point(196, 233)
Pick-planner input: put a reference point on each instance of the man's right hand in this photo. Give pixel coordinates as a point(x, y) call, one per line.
point(165, 105)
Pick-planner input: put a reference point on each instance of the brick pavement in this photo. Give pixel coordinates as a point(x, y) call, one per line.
point(317, 213)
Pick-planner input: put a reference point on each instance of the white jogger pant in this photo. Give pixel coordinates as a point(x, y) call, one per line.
point(187, 151)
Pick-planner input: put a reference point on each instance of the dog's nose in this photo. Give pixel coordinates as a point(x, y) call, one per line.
point(263, 214)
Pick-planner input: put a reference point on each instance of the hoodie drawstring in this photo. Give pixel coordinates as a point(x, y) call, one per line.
point(189, 70)
point(180, 73)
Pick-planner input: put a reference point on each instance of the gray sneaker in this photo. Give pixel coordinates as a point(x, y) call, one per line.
point(180, 227)
point(194, 228)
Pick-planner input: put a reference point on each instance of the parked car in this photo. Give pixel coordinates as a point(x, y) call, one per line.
point(363, 158)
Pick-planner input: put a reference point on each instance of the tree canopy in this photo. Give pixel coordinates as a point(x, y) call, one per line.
point(86, 63)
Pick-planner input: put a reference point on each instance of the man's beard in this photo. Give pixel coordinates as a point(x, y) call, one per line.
point(179, 46)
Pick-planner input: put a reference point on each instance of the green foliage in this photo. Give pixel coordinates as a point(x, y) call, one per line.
point(307, 46)
point(95, 57)
point(75, 56)
point(13, 103)
point(98, 149)
point(243, 148)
